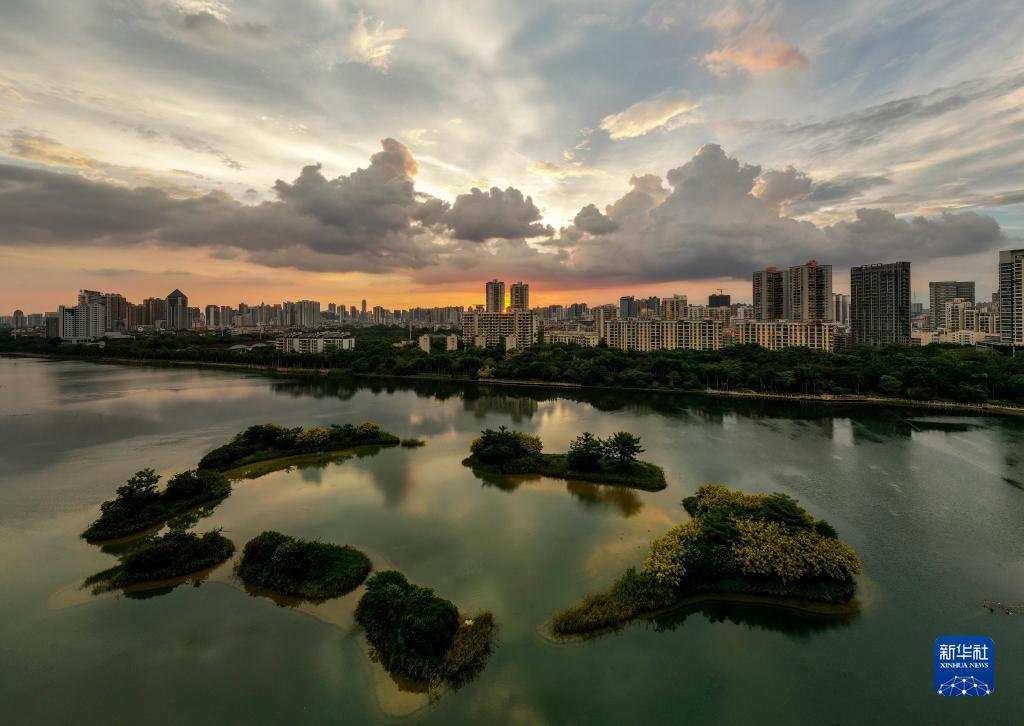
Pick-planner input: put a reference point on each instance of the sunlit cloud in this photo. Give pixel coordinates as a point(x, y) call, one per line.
point(665, 111)
point(371, 43)
point(755, 52)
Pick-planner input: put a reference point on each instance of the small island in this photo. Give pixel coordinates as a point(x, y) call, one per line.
point(603, 461)
point(291, 566)
point(736, 544)
point(421, 636)
point(139, 505)
point(178, 553)
point(271, 441)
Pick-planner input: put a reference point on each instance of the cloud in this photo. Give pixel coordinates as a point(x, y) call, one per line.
point(711, 224)
point(877, 233)
point(776, 188)
point(565, 171)
point(755, 52)
point(839, 189)
point(480, 215)
point(29, 146)
point(186, 141)
point(10, 93)
point(41, 149)
point(590, 220)
point(665, 111)
point(209, 22)
point(371, 43)
point(717, 217)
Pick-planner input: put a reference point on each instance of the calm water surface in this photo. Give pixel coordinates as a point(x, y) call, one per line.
point(934, 505)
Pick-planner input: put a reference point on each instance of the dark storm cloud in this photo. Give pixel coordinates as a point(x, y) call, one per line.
point(480, 215)
point(717, 218)
point(589, 219)
point(366, 221)
point(711, 224)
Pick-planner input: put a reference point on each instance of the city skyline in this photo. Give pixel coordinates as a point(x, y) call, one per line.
point(356, 156)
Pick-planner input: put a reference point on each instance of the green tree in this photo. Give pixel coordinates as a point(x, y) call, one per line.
point(314, 439)
point(890, 384)
point(139, 490)
point(585, 452)
point(623, 447)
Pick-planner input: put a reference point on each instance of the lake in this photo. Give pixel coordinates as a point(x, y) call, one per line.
point(933, 503)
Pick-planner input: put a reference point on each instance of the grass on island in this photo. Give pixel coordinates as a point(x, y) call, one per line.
point(291, 566)
point(609, 461)
point(421, 636)
point(270, 441)
point(413, 443)
point(139, 505)
point(736, 543)
point(176, 554)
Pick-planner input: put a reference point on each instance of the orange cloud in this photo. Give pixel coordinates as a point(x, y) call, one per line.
point(756, 52)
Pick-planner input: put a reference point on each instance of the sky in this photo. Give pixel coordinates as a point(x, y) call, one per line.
point(405, 153)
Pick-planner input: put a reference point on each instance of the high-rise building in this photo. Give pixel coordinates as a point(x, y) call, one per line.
point(116, 311)
point(485, 329)
point(808, 294)
point(156, 311)
point(519, 296)
point(958, 314)
point(629, 307)
point(721, 300)
point(18, 320)
point(213, 318)
point(841, 308)
point(779, 334)
point(1011, 297)
point(647, 334)
point(83, 322)
point(939, 293)
point(52, 323)
point(87, 297)
point(363, 316)
point(769, 294)
point(674, 308)
point(177, 311)
point(880, 304)
point(495, 296)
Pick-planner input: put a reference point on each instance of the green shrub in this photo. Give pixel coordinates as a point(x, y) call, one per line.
point(301, 568)
point(503, 446)
point(139, 505)
point(197, 483)
point(736, 542)
point(409, 627)
point(270, 441)
point(176, 554)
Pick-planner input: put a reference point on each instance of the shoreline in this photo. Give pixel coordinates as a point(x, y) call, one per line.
point(869, 400)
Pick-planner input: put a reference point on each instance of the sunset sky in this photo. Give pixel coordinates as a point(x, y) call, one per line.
point(406, 152)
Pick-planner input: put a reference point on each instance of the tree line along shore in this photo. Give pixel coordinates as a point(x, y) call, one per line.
point(929, 374)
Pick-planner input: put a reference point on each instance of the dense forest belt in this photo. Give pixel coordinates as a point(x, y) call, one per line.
point(293, 370)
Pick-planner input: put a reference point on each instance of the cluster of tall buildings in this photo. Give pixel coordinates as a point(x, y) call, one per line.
point(794, 306)
point(495, 324)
